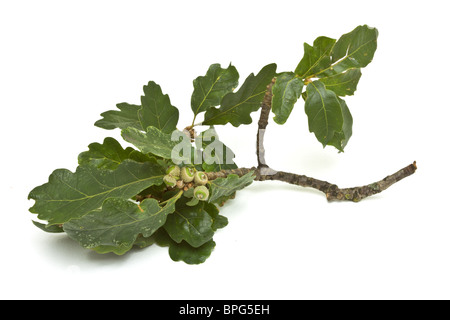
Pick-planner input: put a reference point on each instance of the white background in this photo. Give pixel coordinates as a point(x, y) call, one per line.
point(62, 63)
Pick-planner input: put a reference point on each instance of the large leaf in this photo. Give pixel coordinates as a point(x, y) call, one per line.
point(70, 195)
point(117, 226)
point(216, 156)
point(324, 112)
point(127, 116)
point(353, 50)
point(156, 110)
point(105, 156)
point(236, 107)
point(158, 143)
point(343, 84)
point(192, 224)
point(286, 91)
point(316, 57)
point(211, 88)
point(224, 187)
point(341, 138)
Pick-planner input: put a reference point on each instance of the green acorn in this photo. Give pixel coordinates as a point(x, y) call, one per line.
point(170, 181)
point(201, 193)
point(174, 171)
point(200, 178)
point(187, 174)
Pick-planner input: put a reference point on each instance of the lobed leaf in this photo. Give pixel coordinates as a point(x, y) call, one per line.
point(117, 225)
point(127, 116)
point(236, 107)
point(316, 57)
point(156, 111)
point(68, 195)
point(105, 156)
point(353, 50)
point(190, 255)
point(211, 88)
point(224, 187)
point(192, 224)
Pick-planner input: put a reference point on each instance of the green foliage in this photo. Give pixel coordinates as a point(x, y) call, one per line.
point(330, 70)
point(119, 198)
point(211, 88)
point(237, 106)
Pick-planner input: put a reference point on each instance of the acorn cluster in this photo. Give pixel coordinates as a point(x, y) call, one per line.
point(186, 178)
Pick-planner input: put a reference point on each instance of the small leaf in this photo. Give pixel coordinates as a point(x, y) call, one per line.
point(105, 156)
point(353, 50)
point(189, 223)
point(119, 223)
point(236, 107)
point(70, 195)
point(190, 255)
point(156, 142)
point(126, 117)
point(316, 57)
point(343, 84)
point(286, 91)
point(211, 88)
point(224, 187)
point(324, 112)
point(341, 138)
point(157, 110)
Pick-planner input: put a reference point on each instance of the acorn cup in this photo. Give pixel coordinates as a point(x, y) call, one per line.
point(200, 178)
point(173, 171)
point(187, 174)
point(201, 193)
point(170, 181)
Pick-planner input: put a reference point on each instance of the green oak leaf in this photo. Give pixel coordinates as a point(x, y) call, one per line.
point(237, 106)
point(353, 50)
point(105, 156)
point(324, 112)
point(316, 57)
point(224, 187)
point(183, 251)
point(211, 88)
point(190, 255)
point(157, 110)
point(340, 138)
point(343, 84)
point(119, 223)
point(216, 155)
point(286, 91)
point(190, 223)
point(127, 116)
point(68, 195)
point(219, 221)
point(156, 142)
